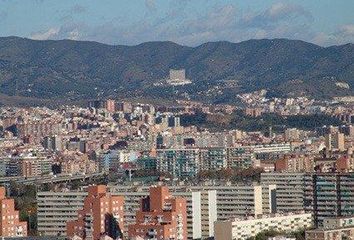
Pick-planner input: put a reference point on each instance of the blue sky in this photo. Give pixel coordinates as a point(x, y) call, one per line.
point(188, 22)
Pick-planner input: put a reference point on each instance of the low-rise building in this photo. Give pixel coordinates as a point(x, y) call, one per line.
point(242, 229)
point(335, 228)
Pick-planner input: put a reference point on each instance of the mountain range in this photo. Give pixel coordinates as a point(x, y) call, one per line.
point(75, 70)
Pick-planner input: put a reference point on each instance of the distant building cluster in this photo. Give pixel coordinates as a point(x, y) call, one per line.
point(124, 170)
point(178, 78)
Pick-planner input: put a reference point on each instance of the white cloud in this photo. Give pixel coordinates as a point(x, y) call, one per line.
point(281, 10)
point(74, 35)
point(346, 30)
point(344, 34)
point(48, 34)
point(221, 22)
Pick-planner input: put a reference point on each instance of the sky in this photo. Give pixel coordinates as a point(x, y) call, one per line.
point(187, 22)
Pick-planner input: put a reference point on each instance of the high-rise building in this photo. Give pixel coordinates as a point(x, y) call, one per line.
point(213, 158)
point(329, 195)
point(53, 143)
point(179, 162)
point(248, 197)
point(174, 121)
point(96, 104)
point(102, 214)
point(335, 141)
point(178, 77)
point(55, 209)
point(322, 194)
point(10, 224)
point(201, 207)
point(161, 216)
point(290, 192)
point(110, 105)
point(124, 107)
point(240, 157)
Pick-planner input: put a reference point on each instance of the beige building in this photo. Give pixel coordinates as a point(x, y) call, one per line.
point(201, 207)
point(54, 209)
point(331, 234)
point(205, 205)
point(334, 228)
point(57, 208)
point(241, 229)
point(290, 192)
point(335, 141)
point(240, 200)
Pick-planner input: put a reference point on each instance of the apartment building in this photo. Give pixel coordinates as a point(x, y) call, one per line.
point(182, 163)
point(330, 234)
point(187, 162)
point(248, 227)
point(26, 166)
point(55, 209)
point(333, 228)
point(102, 214)
point(335, 141)
point(239, 200)
point(161, 216)
point(295, 163)
point(10, 224)
point(201, 207)
point(330, 195)
point(323, 194)
point(240, 157)
point(37, 129)
point(271, 151)
point(290, 190)
point(205, 205)
point(213, 158)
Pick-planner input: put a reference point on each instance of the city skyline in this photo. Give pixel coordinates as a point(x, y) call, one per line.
point(185, 22)
point(177, 119)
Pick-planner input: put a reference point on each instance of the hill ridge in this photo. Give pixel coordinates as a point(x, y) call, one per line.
point(81, 69)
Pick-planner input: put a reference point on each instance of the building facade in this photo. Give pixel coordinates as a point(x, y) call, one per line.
point(102, 214)
point(201, 207)
point(161, 216)
point(10, 224)
point(55, 209)
point(334, 228)
point(241, 229)
point(322, 194)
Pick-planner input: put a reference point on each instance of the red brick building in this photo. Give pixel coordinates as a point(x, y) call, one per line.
point(102, 214)
point(161, 216)
point(110, 105)
point(10, 225)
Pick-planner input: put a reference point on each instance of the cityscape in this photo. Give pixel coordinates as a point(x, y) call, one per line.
point(229, 139)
